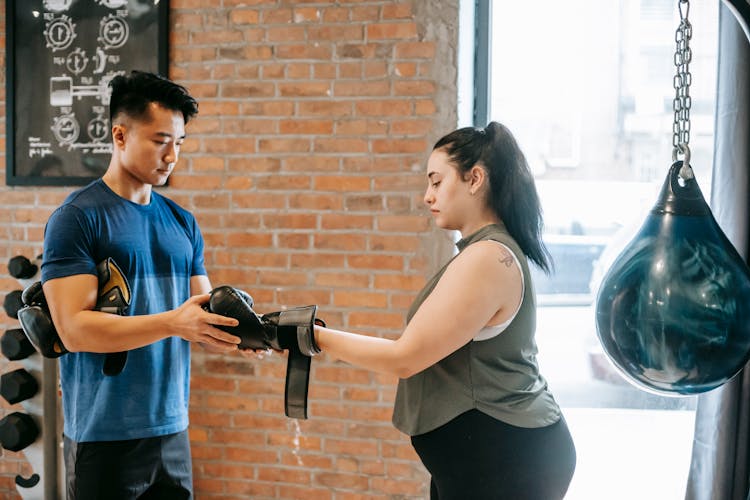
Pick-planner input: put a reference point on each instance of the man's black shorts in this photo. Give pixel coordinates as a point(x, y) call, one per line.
point(150, 468)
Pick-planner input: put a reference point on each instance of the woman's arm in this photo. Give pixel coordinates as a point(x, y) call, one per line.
point(71, 301)
point(482, 284)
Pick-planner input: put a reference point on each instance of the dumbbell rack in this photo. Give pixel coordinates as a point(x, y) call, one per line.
point(44, 453)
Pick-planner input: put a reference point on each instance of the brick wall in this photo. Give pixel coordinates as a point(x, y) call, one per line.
point(305, 171)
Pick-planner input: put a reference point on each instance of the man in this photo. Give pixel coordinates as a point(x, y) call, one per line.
point(125, 435)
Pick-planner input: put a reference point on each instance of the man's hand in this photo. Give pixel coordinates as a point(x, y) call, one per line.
point(193, 323)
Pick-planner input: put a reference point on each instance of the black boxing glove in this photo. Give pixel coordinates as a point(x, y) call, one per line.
point(277, 330)
point(291, 329)
point(37, 323)
point(238, 304)
point(113, 298)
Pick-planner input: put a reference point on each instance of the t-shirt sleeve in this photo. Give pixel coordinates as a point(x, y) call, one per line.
point(199, 264)
point(68, 245)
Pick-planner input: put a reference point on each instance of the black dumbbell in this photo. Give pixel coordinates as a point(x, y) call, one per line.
point(18, 385)
point(15, 345)
point(21, 268)
point(17, 431)
point(12, 303)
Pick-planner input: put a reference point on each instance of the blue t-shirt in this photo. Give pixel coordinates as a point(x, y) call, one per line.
point(158, 247)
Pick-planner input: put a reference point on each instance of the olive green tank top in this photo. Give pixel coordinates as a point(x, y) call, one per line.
point(498, 376)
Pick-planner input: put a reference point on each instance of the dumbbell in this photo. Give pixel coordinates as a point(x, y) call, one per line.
point(15, 345)
point(13, 303)
point(17, 431)
point(22, 268)
point(18, 385)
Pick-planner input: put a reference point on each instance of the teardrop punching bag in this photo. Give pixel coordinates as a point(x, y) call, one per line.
point(673, 311)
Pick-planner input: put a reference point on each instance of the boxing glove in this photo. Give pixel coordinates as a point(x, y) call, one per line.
point(36, 322)
point(238, 304)
point(291, 329)
point(279, 330)
point(113, 298)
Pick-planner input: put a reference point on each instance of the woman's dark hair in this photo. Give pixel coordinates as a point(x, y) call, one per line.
point(513, 196)
point(133, 93)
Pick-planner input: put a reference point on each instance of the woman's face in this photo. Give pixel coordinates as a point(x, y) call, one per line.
point(448, 195)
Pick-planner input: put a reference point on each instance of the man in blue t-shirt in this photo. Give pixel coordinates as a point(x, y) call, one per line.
point(125, 435)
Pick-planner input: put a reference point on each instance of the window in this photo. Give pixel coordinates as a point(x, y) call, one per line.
point(586, 88)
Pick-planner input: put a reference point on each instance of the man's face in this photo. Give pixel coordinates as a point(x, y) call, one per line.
point(149, 149)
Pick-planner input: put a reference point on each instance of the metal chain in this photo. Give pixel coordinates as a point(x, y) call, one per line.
point(681, 104)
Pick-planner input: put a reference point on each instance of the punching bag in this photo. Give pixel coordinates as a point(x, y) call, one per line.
point(673, 311)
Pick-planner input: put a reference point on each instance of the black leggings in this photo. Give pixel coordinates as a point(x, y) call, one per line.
point(477, 457)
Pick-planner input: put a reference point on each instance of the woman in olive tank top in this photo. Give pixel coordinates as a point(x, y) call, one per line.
point(470, 394)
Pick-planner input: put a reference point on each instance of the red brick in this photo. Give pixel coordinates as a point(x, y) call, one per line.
point(243, 16)
point(384, 108)
point(297, 241)
point(360, 299)
point(364, 203)
point(342, 279)
point(341, 183)
point(285, 33)
point(340, 221)
point(306, 127)
point(376, 320)
point(398, 146)
point(302, 89)
point(284, 145)
point(317, 260)
point(247, 125)
point(399, 282)
point(385, 31)
point(397, 11)
point(322, 52)
point(316, 201)
point(361, 89)
point(367, 13)
point(290, 221)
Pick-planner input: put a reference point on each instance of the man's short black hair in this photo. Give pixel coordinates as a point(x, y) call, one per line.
point(131, 94)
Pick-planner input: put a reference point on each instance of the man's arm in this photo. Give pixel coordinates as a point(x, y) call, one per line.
point(200, 285)
point(71, 301)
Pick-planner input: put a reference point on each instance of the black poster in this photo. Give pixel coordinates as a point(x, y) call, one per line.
point(61, 56)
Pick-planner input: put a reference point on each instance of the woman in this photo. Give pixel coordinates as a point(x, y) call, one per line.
point(470, 393)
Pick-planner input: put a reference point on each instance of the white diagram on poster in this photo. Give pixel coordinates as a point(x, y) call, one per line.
point(81, 76)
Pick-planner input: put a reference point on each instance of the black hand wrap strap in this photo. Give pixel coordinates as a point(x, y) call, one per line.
point(291, 329)
point(114, 298)
point(299, 360)
point(297, 383)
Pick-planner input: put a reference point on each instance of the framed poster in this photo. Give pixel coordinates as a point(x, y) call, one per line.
point(60, 57)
